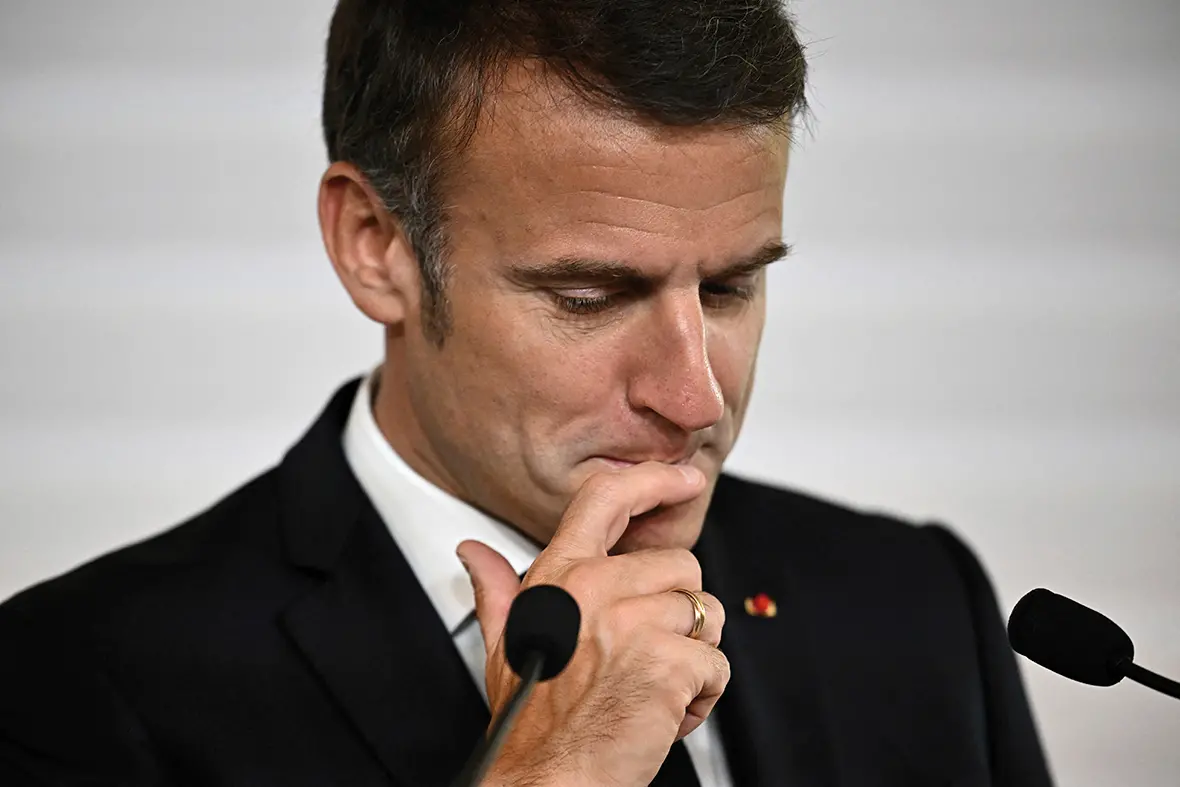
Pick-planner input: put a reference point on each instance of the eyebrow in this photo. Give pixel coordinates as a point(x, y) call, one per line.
point(582, 269)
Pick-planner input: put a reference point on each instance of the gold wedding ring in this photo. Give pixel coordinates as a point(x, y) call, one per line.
point(698, 612)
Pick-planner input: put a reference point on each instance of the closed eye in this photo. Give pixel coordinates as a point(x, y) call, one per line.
point(724, 293)
point(583, 305)
point(712, 294)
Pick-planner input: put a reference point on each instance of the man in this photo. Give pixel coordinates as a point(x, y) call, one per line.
point(561, 215)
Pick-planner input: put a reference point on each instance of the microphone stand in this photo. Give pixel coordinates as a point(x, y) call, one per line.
point(1146, 677)
point(485, 753)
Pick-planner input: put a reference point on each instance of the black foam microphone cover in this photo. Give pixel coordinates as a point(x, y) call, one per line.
point(543, 618)
point(1070, 639)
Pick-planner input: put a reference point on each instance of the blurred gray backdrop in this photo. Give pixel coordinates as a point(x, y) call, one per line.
point(982, 324)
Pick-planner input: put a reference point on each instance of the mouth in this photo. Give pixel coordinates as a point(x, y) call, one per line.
point(620, 462)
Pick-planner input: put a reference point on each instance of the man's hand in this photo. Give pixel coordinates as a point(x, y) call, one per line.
point(636, 682)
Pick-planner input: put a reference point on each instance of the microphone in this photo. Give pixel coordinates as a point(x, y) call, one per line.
point(540, 637)
point(1078, 643)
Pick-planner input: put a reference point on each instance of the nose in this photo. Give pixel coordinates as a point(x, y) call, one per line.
point(673, 376)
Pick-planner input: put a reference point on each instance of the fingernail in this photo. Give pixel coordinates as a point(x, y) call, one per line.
point(691, 473)
point(463, 560)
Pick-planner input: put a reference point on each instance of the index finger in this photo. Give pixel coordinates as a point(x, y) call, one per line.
point(605, 503)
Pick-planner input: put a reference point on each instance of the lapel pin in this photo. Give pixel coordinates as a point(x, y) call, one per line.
point(761, 606)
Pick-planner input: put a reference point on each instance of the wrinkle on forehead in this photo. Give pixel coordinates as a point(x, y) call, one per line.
point(642, 202)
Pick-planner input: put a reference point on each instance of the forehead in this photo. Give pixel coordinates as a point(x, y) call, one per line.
point(544, 164)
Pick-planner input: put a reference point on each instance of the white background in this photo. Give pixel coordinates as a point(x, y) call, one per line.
point(982, 323)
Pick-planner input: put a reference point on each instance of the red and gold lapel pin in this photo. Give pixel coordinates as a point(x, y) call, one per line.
point(761, 606)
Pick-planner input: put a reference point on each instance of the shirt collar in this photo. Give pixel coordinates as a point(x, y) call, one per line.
point(426, 522)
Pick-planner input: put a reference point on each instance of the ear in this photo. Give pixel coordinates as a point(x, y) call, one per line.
point(367, 246)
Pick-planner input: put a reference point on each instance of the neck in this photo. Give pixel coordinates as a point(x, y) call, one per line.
point(396, 418)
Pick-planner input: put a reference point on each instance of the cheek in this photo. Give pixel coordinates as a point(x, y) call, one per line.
point(567, 404)
point(548, 376)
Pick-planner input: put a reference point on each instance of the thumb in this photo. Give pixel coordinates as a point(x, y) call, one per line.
point(495, 585)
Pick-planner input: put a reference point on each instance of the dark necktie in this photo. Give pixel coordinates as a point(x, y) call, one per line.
point(677, 770)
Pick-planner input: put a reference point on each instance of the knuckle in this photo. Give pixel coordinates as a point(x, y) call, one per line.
point(716, 609)
point(584, 579)
point(688, 566)
point(579, 577)
point(721, 667)
point(681, 696)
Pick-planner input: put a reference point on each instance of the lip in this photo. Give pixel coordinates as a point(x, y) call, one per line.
point(618, 462)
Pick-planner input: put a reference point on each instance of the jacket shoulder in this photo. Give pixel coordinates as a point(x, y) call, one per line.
point(748, 505)
point(833, 542)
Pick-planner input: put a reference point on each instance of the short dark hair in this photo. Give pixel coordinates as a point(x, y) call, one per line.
point(405, 81)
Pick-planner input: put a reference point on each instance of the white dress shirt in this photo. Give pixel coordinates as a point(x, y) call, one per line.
point(428, 524)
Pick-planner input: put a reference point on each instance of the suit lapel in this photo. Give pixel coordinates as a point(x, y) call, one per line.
point(367, 627)
point(771, 718)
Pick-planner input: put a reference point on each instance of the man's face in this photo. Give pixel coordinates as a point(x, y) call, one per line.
point(607, 305)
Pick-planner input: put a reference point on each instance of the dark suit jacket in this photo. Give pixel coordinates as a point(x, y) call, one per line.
point(279, 638)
